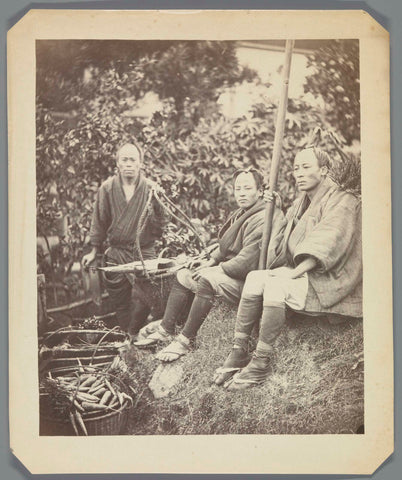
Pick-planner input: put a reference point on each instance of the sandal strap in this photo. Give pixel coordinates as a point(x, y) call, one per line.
point(256, 377)
point(160, 334)
point(151, 327)
point(145, 342)
point(227, 369)
point(187, 346)
point(171, 351)
point(248, 382)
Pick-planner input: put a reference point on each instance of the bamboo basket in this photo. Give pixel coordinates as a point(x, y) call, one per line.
point(107, 424)
point(96, 423)
point(70, 364)
point(97, 354)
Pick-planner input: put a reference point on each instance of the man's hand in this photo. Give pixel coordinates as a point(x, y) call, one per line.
point(194, 264)
point(269, 197)
point(305, 266)
point(206, 264)
point(88, 258)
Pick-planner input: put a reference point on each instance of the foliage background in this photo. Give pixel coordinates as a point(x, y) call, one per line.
point(87, 96)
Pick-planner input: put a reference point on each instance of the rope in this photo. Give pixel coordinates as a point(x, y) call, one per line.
point(148, 212)
point(141, 225)
point(186, 223)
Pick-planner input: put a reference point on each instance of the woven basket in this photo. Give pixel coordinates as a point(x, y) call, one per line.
point(77, 336)
point(70, 364)
point(107, 424)
point(103, 354)
point(96, 423)
point(156, 291)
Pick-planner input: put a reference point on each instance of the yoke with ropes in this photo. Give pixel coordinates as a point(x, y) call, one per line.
point(149, 268)
point(155, 276)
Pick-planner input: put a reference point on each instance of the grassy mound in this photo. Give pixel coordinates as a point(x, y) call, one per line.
point(316, 386)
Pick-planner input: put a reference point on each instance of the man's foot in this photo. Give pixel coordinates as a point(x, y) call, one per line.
point(160, 335)
point(179, 347)
point(237, 359)
point(255, 373)
point(148, 329)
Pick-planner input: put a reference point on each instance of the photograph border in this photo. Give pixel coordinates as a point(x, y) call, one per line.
point(368, 452)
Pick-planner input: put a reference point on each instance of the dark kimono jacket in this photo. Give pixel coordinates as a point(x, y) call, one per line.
point(328, 229)
point(240, 240)
point(116, 222)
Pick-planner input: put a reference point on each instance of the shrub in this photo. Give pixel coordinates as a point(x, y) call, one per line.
point(190, 149)
point(336, 79)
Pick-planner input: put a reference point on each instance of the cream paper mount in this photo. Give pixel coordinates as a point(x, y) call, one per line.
point(302, 454)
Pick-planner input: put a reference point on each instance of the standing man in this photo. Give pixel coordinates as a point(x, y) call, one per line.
point(317, 270)
point(121, 203)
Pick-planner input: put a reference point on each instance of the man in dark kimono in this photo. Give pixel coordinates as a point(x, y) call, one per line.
point(317, 270)
point(122, 202)
point(192, 295)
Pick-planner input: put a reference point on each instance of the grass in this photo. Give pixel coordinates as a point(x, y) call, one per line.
point(316, 386)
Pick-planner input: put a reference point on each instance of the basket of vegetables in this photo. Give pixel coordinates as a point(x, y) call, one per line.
point(86, 401)
point(91, 346)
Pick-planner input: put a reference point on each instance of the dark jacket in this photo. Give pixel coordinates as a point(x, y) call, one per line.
point(239, 240)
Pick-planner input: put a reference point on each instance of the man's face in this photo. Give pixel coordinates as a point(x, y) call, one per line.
point(307, 172)
point(128, 161)
point(245, 190)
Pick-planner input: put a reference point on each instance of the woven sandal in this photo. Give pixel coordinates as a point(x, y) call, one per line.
point(148, 329)
point(222, 374)
point(237, 359)
point(236, 384)
point(158, 336)
point(255, 373)
point(174, 350)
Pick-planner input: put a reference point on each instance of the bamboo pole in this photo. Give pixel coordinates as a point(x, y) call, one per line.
point(276, 154)
point(71, 306)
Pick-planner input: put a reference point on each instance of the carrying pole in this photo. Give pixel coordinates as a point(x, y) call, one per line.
point(276, 155)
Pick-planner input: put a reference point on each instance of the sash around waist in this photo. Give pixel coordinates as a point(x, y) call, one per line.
point(128, 253)
point(130, 246)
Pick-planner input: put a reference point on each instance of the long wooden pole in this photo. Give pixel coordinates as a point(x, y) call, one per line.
point(276, 154)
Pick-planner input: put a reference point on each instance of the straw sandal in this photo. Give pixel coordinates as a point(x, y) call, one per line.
point(237, 359)
point(255, 373)
point(160, 335)
point(148, 329)
point(173, 351)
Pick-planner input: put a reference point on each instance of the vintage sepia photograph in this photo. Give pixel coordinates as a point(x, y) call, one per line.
point(199, 244)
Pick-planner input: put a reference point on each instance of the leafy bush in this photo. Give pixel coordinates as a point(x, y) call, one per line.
point(190, 149)
point(336, 78)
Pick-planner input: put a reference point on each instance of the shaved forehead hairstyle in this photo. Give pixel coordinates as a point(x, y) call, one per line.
point(130, 144)
point(321, 156)
point(259, 180)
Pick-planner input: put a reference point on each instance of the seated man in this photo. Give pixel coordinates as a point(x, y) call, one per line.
point(222, 275)
point(121, 202)
point(320, 270)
